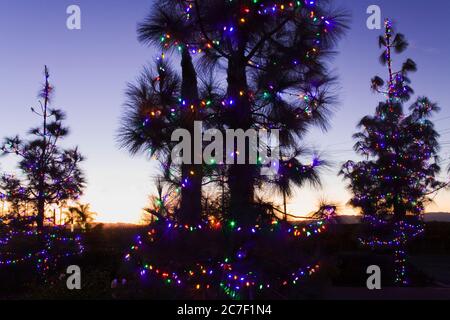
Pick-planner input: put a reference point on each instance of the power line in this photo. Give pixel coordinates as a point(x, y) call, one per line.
point(340, 143)
point(441, 119)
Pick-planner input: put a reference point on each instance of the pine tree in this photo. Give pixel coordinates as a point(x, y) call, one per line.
point(401, 149)
point(49, 174)
point(256, 38)
point(79, 214)
point(166, 28)
point(271, 63)
point(276, 75)
point(154, 110)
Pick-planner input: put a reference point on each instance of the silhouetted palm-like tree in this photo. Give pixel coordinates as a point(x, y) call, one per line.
point(80, 214)
point(293, 174)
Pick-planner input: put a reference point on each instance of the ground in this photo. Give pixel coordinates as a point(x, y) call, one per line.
point(343, 275)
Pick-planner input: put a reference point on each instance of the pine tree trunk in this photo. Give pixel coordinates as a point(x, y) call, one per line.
point(399, 211)
point(42, 164)
point(240, 176)
point(191, 194)
point(40, 212)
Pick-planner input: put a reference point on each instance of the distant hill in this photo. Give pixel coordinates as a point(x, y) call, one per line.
point(429, 217)
point(348, 219)
point(438, 216)
point(344, 219)
point(114, 225)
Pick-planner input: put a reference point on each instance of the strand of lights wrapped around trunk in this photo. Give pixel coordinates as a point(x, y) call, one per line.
point(400, 266)
point(311, 229)
point(403, 232)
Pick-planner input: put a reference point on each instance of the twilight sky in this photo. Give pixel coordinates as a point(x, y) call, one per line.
point(90, 68)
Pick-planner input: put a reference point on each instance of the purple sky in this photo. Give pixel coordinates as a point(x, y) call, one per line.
point(90, 68)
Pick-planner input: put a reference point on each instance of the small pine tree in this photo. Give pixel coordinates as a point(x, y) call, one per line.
point(49, 174)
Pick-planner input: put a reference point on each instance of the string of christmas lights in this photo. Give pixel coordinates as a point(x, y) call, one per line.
point(403, 232)
point(247, 13)
point(235, 282)
point(43, 258)
point(297, 231)
point(220, 274)
point(217, 274)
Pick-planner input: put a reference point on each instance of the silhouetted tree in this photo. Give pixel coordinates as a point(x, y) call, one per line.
point(49, 174)
point(14, 194)
point(402, 148)
point(80, 214)
point(401, 152)
point(293, 174)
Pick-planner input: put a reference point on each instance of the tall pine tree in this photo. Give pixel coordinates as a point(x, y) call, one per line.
point(276, 77)
point(250, 39)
